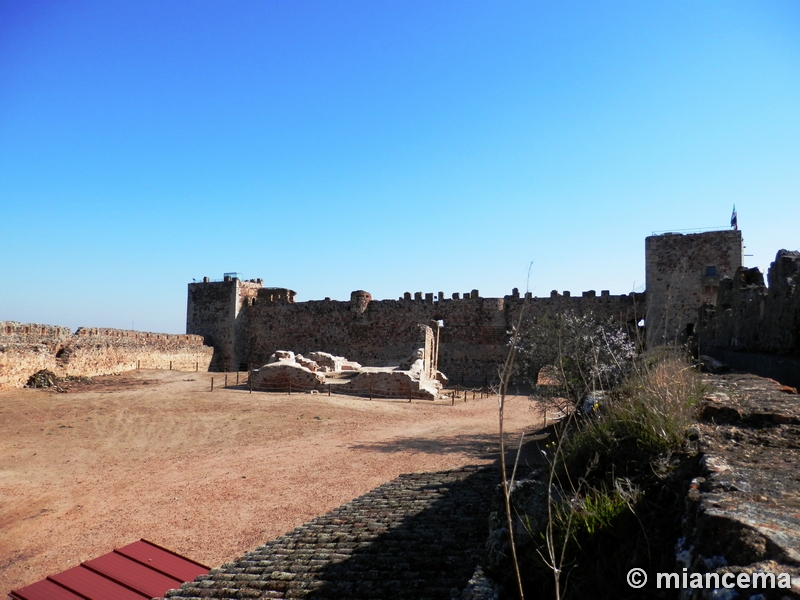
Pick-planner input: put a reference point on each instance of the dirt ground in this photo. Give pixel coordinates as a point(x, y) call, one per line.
point(211, 475)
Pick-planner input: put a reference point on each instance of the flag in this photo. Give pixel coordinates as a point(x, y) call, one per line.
point(734, 222)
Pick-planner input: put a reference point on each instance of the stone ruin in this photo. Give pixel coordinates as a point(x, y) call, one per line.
point(754, 327)
point(30, 348)
point(323, 371)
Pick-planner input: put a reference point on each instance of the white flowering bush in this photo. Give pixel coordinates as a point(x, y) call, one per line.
point(589, 354)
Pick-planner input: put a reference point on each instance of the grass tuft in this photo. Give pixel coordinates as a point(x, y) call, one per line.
point(619, 476)
point(647, 415)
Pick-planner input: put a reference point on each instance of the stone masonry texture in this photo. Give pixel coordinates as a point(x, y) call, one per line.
point(246, 325)
point(682, 272)
point(755, 327)
point(752, 317)
point(742, 511)
point(29, 347)
point(416, 537)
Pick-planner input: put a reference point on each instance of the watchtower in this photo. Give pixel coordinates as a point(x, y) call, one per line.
point(215, 311)
point(682, 272)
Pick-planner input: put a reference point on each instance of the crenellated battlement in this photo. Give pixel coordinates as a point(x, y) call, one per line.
point(12, 332)
point(246, 322)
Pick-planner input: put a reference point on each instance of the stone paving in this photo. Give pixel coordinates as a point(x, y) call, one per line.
point(419, 536)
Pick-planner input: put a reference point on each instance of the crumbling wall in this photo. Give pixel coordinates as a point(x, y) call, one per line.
point(94, 351)
point(413, 378)
point(26, 348)
point(282, 375)
point(391, 384)
point(751, 317)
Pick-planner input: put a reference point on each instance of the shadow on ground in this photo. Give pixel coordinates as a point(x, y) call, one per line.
point(476, 446)
point(482, 445)
point(430, 554)
point(418, 536)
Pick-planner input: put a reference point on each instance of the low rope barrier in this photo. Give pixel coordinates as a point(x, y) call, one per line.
point(293, 387)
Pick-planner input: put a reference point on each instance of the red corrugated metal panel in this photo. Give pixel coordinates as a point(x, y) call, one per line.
point(163, 560)
point(139, 570)
point(89, 584)
point(43, 590)
point(142, 579)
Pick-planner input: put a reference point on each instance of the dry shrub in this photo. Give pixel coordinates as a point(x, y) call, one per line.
point(647, 415)
point(617, 482)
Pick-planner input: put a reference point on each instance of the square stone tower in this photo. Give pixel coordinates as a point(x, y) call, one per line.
point(683, 272)
point(215, 310)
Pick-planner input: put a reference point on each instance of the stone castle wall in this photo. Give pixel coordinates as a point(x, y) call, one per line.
point(28, 347)
point(472, 340)
point(751, 317)
point(682, 272)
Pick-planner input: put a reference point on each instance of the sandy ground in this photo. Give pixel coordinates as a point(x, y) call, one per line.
point(156, 455)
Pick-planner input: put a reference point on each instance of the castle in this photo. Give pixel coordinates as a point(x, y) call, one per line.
point(246, 322)
point(696, 289)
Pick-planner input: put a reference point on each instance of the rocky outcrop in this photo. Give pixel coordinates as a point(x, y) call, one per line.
point(742, 511)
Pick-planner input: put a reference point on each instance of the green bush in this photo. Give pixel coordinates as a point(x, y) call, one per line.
point(648, 414)
point(619, 476)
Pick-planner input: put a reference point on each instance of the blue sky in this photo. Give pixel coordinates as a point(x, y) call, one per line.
point(386, 146)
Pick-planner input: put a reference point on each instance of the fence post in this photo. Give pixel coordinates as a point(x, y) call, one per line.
point(237, 376)
point(212, 384)
point(196, 367)
point(250, 382)
point(290, 388)
point(370, 392)
point(170, 365)
point(226, 380)
point(329, 390)
point(138, 362)
point(453, 399)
